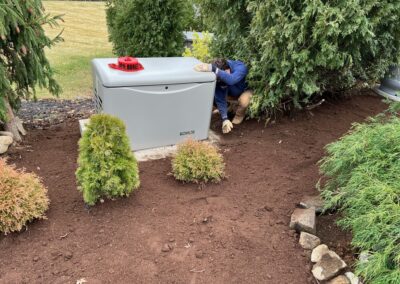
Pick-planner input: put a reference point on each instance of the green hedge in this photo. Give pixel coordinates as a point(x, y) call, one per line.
point(299, 50)
point(363, 171)
point(147, 28)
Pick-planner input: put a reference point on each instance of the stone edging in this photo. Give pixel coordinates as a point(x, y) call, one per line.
point(328, 266)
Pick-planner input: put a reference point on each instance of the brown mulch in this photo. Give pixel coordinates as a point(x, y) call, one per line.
point(235, 232)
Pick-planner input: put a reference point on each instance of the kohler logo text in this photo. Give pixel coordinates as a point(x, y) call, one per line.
point(184, 133)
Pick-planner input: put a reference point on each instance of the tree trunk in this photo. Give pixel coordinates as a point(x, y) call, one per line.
point(12, 123)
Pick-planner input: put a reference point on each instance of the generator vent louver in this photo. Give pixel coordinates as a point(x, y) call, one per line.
point(98, 102)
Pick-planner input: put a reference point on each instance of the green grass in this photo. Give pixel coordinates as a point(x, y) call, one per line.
point(85, 37)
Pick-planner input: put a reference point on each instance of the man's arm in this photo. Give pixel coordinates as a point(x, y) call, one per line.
point(235, 77)
point(220, 100)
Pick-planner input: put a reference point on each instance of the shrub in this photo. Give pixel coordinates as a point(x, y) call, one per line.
point(146, 28)
point(23, 62)
point(23, 198)
point(363, 170)
point(107, 166)
point(198, 162)
point(200, 48)
point(230, 21)
point(194, 20)
point(298, 50)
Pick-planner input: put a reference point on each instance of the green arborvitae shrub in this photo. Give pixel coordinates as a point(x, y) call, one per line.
point(229, 20)
point(107, 167)
point(362, 171)
point(198, 162)
point(23, 198)
point(194, 19)
point(299, 50)
point(147, 28)
point(23, 63)
point(200, 48)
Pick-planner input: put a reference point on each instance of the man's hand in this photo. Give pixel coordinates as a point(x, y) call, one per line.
point(227, 126)
point(203, 67)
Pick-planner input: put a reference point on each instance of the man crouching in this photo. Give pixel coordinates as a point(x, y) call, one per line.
point(231, 81)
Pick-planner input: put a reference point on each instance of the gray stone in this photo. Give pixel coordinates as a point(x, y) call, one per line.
point(6, 133)
point(352, 278)
point(20, 126)
point(308, 241)
point(328, 266)
point(339, 280)
point(303, 220)
point(3, 148)
point(318, 252)
point(6, 140)
point(364, 256)
point(315, 202)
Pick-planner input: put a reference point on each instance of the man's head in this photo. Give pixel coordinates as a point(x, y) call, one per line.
point(221, 64)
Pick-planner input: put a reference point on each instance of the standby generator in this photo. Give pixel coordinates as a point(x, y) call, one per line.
point(162, 101)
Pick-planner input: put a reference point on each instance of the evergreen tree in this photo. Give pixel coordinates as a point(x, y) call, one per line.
point(300, 50)
point(230, 21)
point(23, 64)
point(146, 28)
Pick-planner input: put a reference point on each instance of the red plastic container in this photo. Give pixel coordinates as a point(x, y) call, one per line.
point(127, 64)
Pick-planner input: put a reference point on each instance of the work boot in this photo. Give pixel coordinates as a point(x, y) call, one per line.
point(244, 101)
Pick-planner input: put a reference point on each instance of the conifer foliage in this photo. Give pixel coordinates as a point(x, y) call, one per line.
point(23, 64)
point(300, 50)
point(147, 28)
point(107, 167)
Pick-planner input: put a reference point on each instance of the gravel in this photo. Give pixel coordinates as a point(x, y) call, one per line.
point(46, 112)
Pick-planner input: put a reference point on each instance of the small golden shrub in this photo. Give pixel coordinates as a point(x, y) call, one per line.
point(22, 198)
point(198, 162)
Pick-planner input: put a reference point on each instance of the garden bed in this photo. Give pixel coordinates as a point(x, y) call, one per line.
point(235, 232)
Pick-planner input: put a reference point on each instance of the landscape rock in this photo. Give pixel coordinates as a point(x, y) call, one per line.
point(6, 133)
point(318, 252)
point(303, 220)
point(340, 280)
point(3, 149)
point(315, 202)
point(363, 257)
point(5, 142)
point(308, 241)
point(328, 267)
point(352, 278)
point(20, 126)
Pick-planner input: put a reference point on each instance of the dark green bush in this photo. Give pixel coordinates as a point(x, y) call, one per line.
point(198, 162)
point(363, 170)
point(230, 22)
point(147, 28)
point(298, 50)
point(107, 166)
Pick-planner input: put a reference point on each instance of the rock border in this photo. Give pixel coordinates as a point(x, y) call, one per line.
point(328, 267)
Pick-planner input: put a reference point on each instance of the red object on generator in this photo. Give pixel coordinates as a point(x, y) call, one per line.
point(127, 64)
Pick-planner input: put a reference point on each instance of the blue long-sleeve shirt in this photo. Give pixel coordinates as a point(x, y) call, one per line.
point(232, 84)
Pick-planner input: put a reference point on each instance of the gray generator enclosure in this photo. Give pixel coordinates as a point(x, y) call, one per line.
point(161, 105)
point(390, 85)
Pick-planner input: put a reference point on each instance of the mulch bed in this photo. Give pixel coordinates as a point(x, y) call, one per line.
point(235, 232)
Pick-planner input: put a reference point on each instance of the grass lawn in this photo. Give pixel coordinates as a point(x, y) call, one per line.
point(85, 37)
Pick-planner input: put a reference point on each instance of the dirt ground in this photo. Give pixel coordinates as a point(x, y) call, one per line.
point(235, 232)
